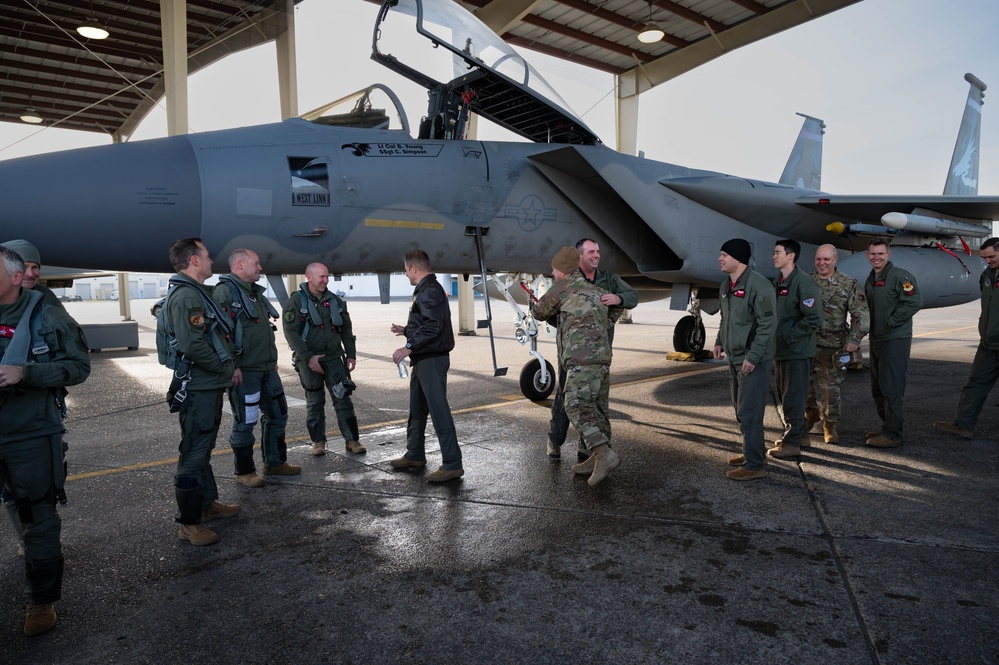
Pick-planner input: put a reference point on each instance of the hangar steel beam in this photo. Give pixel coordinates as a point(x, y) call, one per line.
point(502, 15)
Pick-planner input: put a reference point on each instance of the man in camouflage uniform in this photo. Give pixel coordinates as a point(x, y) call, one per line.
point(261, 394)
point(985, 367)
point(845, 321)
point(585, 352)
point(617, 293)
point(33, 378)
point(318, 330)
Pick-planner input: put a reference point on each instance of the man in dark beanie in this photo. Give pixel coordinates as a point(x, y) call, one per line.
point(33, 270)
point(745, 337)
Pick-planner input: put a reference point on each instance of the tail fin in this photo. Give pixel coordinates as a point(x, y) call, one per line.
point(962, 178)
point(804, 166)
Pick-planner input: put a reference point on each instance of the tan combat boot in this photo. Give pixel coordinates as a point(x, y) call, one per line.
point(218, 511)
point(605, 461)
point(829, 432)
point(812, 416)
point(250, 479)
point(197, 534)
point(39, 618)
point(283, 469)
point(318, 448)
point(585, 467)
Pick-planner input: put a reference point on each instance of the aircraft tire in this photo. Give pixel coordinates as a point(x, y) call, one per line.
point(530, 381)
point(688, 335)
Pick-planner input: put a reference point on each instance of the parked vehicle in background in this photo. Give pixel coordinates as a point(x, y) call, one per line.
point(157, 306)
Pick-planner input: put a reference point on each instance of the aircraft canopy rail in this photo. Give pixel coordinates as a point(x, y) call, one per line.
point(374, 107)
point(499, 84)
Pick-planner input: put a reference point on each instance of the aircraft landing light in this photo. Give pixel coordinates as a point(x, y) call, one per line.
point(403, 224)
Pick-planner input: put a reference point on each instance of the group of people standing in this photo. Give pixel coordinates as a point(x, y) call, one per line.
point(218, 341)
point(805, 327)
point(224, 342)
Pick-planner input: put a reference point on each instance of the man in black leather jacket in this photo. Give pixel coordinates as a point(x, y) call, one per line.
point(429, 341)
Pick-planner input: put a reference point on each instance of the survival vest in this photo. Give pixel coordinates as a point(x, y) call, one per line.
point(27, 342)
point(310, 313)
point(166, 338)
point(241, 304)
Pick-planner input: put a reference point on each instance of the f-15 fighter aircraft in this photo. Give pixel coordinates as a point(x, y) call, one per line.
point(351, 185)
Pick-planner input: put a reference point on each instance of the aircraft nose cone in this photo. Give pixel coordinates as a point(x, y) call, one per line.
point(141, 196)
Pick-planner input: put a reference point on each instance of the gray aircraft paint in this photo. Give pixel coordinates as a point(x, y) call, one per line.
point(357, 199)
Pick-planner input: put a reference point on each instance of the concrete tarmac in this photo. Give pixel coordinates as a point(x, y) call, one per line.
point(849, 555)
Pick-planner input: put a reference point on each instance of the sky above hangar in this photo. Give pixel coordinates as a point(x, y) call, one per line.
point(885, 75)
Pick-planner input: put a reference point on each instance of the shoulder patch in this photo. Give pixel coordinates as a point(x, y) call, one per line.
point(908, 288)
point(197, 318)
point(290, 315)
point(808, 302)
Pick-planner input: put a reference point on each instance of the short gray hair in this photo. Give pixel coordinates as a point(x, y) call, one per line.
point(12, 261)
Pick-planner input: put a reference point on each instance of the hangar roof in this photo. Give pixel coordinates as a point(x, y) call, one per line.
point(603, 34)
point(109, 85)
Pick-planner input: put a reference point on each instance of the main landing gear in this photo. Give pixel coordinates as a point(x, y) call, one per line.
point(688, 335)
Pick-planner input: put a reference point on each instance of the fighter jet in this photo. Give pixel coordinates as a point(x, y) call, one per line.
point(349, 184)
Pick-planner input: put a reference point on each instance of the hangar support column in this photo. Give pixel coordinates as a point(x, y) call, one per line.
point(626, 131)
point(287, 65)
point(173, 19)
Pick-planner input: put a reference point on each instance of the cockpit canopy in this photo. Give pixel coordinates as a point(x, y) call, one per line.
point(374, 107)
point(483, 74)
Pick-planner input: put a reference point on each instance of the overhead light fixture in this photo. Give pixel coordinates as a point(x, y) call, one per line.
point(650, 32)
point(31, 117)
point(91, 29)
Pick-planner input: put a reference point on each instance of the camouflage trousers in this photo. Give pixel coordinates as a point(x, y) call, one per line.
point(587, 390)
point(827, 377)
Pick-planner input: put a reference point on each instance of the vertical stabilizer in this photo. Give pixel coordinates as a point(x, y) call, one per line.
point(962, 178)
point(804, 166)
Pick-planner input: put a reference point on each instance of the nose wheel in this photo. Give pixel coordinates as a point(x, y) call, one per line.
point(531, 383)
point(688, 335)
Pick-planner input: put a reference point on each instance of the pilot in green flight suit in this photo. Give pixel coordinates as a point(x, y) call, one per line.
point(261, 394)
point(34, 371)
point(318, 330)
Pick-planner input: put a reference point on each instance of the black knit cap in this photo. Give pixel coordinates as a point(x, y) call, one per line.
point(738, 249)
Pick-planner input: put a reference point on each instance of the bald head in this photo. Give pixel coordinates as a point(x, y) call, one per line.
point(318, 276)
point(825, 261)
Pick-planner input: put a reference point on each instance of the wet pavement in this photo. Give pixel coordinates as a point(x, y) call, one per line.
point(850, 555)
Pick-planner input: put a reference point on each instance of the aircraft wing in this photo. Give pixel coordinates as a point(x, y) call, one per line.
point(875, 207)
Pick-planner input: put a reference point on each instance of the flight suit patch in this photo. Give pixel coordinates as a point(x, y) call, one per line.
point(908, 288)
point(197, 319)
point(808, 302)
point(739, 293)
point(289, 316)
